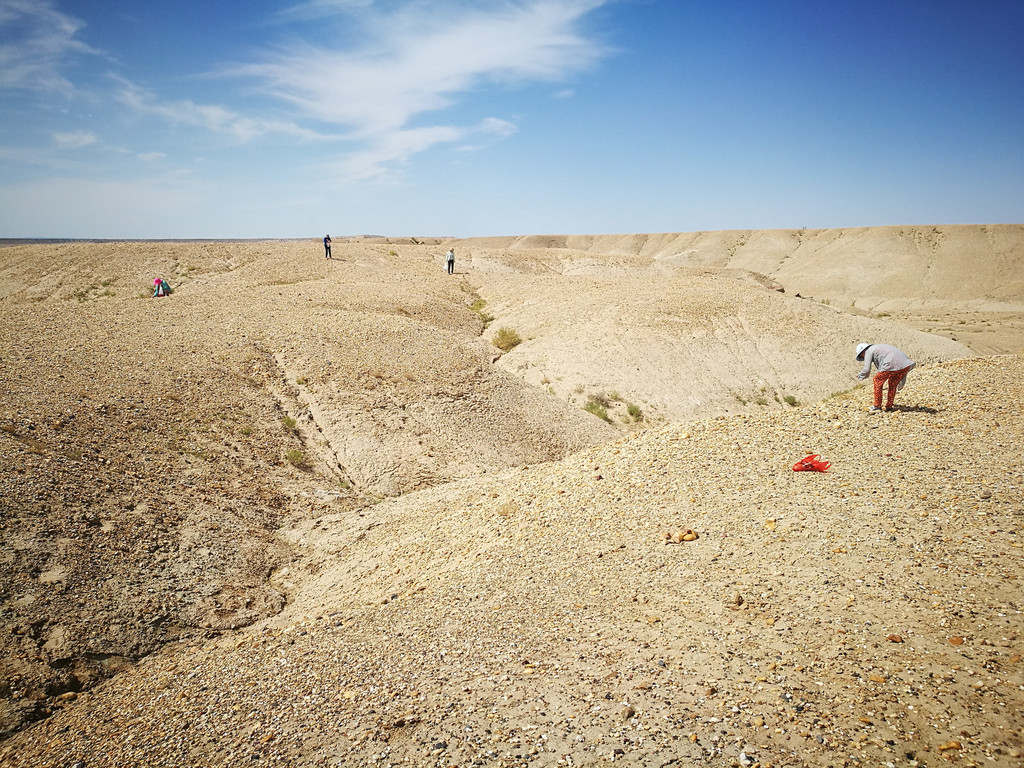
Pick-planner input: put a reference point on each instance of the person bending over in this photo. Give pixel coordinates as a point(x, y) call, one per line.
point(893, 367)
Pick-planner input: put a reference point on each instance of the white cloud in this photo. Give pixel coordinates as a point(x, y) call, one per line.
point(40, 41)
point(319, 9)
point(149, 157)
point(393, 148)
point(419, 60)
point(422, 58)
point(209, 116)
point(74, 139)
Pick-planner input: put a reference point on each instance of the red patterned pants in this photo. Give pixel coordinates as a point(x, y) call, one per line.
point(894, 378)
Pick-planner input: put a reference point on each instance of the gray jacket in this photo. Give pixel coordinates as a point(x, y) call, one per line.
point(885, 358)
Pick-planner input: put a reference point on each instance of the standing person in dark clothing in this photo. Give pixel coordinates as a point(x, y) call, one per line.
point(450, 260)
point(327, 247)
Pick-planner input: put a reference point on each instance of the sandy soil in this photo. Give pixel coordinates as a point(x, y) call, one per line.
point(304, 512)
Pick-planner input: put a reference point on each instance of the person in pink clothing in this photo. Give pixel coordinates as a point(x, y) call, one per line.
point(893, 367)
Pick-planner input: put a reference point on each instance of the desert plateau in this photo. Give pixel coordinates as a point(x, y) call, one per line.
point(360, 512)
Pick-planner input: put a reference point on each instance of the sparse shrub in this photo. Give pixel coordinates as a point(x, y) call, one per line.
point(506, 339)
point(290, 424)
point(601, 399)
point(296, 457)
point(301, 381)
point(760, 401)
point(485, 317)
point(508, 509)
point(634, 412)
point(246, 430)
point(845, 392)
point(392, 252)
point(614, 396)
point(594, 406)
point(791, 400)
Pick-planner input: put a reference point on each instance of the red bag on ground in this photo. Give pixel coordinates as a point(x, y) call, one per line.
point(812, 463)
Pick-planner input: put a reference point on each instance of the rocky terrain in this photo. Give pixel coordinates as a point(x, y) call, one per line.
point(304, 511)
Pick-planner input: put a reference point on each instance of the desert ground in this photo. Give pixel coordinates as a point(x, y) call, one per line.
point(360, 512)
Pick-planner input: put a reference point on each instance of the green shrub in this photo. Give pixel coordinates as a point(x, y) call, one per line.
point(791, 400)
point(506, 339)
point(296, 457)
point(634, 412)
point(485, 317)
point(594, 406)
point(289, 423)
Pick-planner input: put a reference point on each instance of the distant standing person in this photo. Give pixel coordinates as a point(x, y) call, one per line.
point(450, 260)
point(327, 247)
point(893, 367)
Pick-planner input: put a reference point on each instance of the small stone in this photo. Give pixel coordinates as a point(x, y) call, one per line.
point(895, 639)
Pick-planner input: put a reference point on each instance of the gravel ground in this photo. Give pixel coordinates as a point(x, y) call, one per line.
point(866, 616)
point(518, 603)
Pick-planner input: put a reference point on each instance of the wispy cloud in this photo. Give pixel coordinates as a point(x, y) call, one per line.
point(390, 149)
point(74, 139)
point(421, 58)
point(212, 117)
point(378, 79)
point(320, 9)
point(39, 43)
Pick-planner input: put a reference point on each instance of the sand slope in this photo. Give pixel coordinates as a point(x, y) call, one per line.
point(538, 617)
point(905, 265)
point(962, 282)
point(176, 470)
point(678, 342)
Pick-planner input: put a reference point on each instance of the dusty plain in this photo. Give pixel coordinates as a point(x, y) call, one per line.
point(305, 512)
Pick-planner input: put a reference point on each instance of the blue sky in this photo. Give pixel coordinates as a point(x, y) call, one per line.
point(153, 119)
